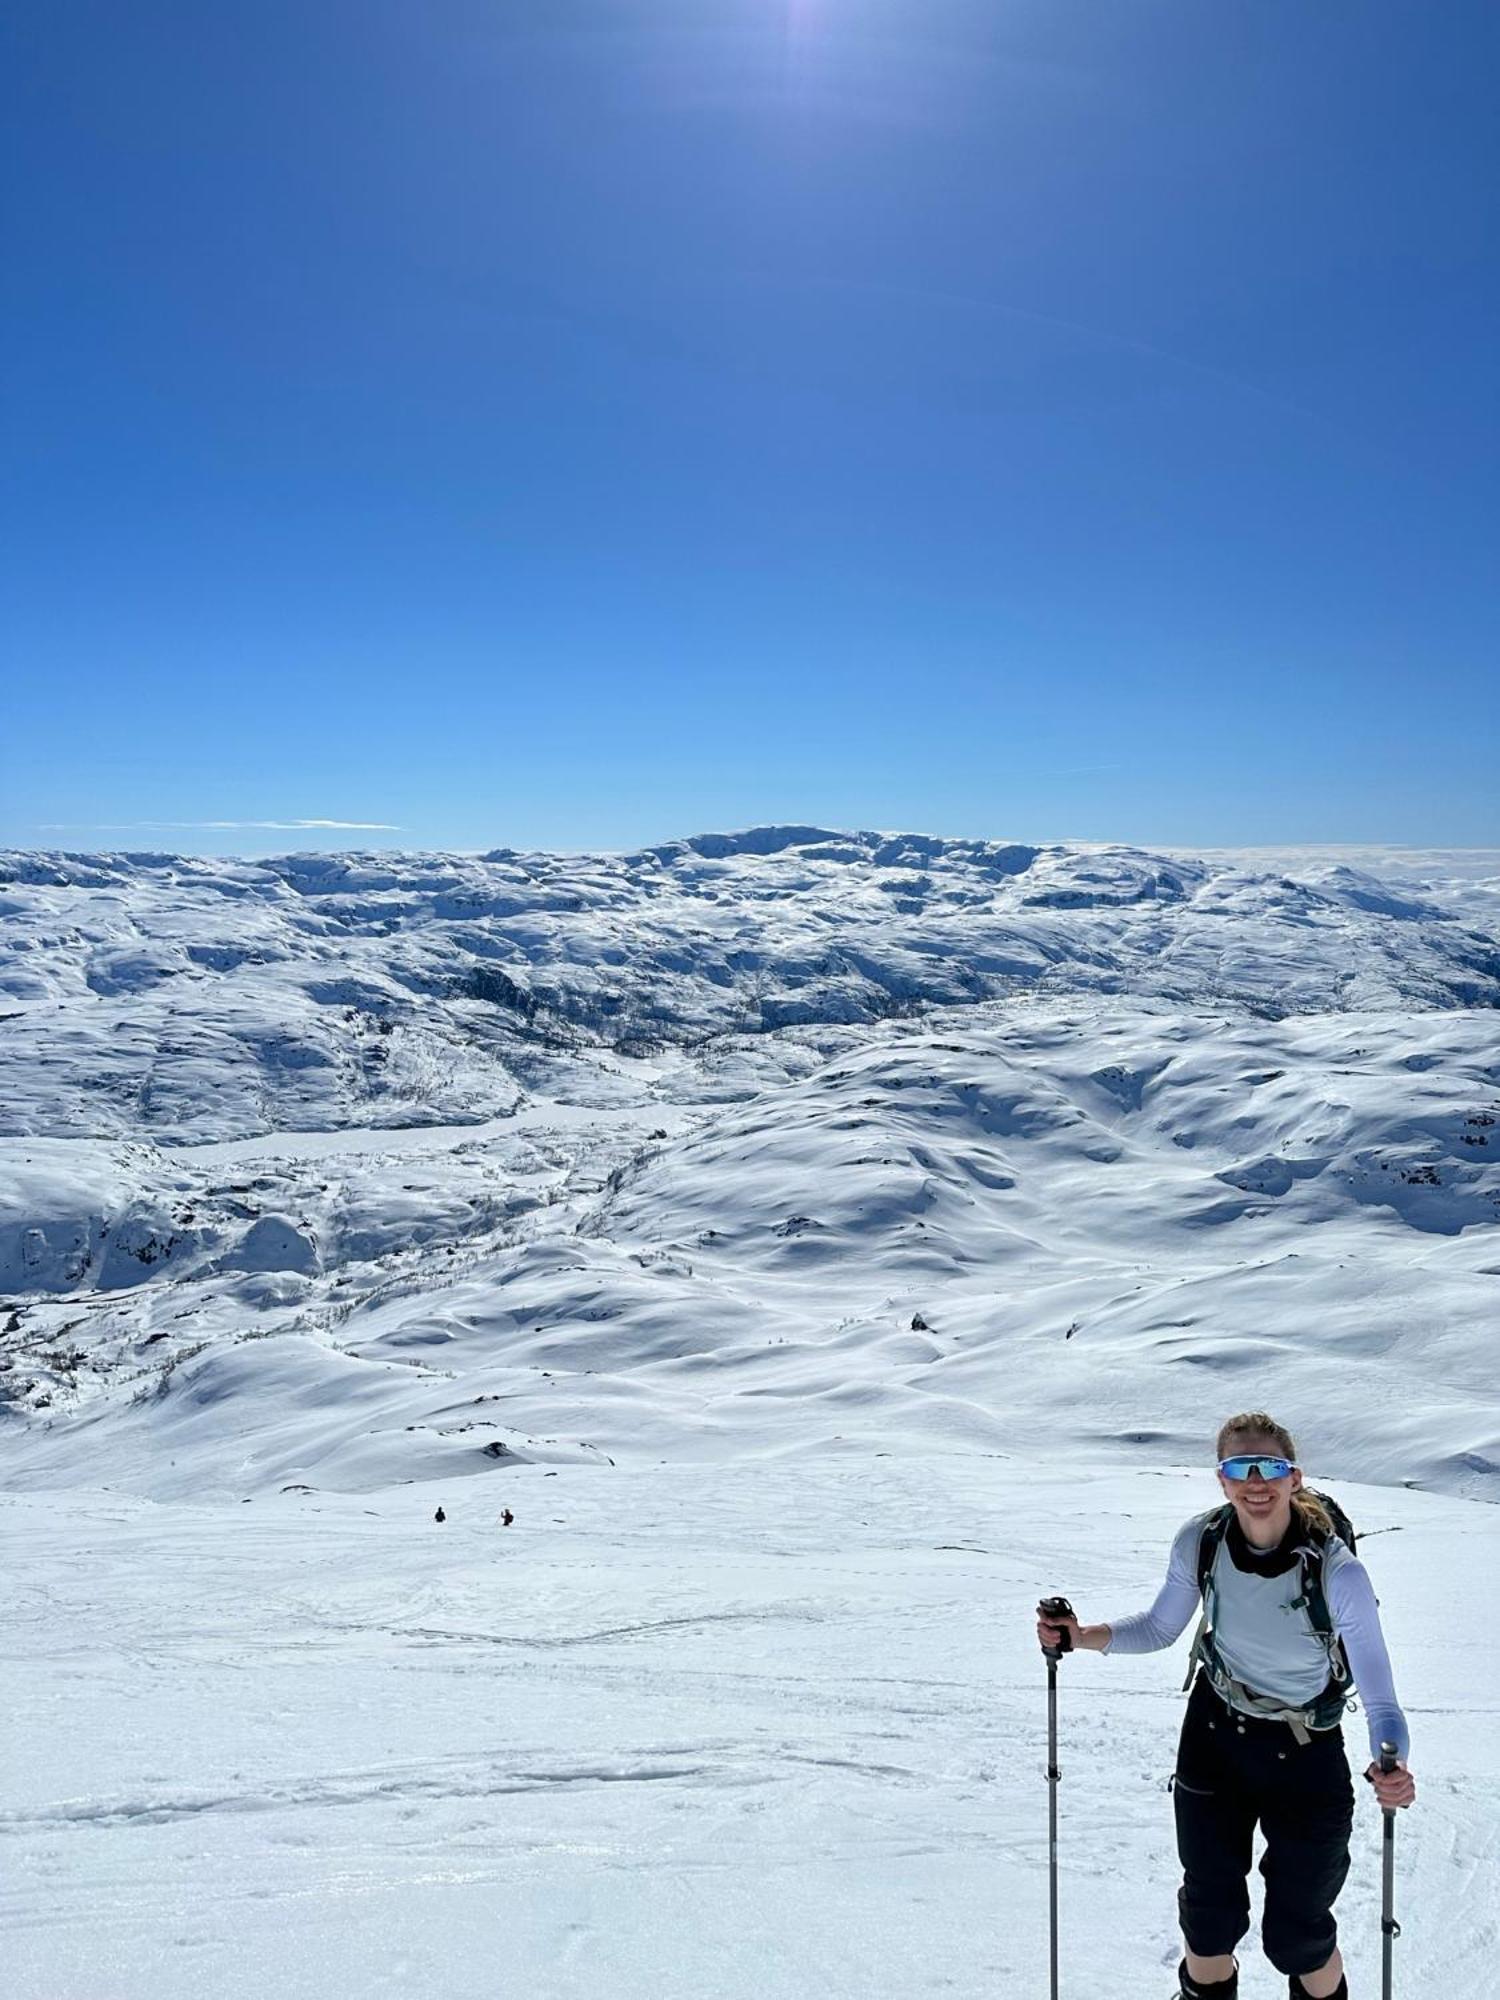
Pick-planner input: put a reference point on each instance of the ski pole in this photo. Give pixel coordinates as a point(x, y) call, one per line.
point(1053, 1608)
point(1389, 1928)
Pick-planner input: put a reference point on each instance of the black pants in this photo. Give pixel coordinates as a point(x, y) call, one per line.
point(1233, 1771)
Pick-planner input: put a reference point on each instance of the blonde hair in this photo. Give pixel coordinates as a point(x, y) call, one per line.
point(1256, 1427)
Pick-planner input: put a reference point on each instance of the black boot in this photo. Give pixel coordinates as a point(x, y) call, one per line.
point(1297, 1991)
point(1189, 1988)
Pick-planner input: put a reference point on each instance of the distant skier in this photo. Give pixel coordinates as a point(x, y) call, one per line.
point(506, 1518)
point(440, 1515)
point(1290, 1628)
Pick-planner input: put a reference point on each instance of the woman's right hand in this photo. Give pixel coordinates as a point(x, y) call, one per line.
point(1050, 1632)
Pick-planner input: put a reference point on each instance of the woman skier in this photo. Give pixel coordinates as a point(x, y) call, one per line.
point(1261, 1740)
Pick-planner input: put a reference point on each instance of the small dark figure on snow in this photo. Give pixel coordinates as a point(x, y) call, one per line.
point(506, 1518)
point(440, 1515)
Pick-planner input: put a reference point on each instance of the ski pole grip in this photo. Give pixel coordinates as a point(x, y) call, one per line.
point(1053, 1608)
point(1387, 1758)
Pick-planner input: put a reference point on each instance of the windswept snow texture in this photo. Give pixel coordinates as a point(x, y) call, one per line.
point(679, 1731)
point(349, 1169)
point(858, 1234)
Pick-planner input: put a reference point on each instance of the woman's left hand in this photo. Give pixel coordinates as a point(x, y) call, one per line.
point(1392, 1788)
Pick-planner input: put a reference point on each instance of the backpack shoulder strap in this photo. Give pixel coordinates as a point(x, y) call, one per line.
point(1314, 1597)
point(1314, 1601)
point(1210, 1536)
point(1215, 1527)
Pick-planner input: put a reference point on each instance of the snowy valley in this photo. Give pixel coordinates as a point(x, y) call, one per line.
point(858, 1233)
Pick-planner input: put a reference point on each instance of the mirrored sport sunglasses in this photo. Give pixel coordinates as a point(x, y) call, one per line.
point(1268, 1468)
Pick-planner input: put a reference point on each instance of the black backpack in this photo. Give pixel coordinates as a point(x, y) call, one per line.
point(1330, 1705)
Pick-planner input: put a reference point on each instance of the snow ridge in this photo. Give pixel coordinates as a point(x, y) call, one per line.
point(759, 1143)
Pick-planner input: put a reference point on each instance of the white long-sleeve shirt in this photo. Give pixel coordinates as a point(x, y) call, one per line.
point(1264, 1649)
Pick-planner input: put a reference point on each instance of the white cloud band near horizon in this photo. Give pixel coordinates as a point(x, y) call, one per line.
point(223, 826)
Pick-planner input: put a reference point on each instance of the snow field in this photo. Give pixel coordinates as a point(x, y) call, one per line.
point(1100, 1220)
point(826, 1243)
point(679, 1730)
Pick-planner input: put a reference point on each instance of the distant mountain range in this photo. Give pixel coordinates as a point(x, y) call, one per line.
point(352, 1168)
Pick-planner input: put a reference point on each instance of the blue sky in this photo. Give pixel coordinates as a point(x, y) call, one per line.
point(584, 422)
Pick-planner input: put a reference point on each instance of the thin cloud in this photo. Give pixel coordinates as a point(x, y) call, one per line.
point(223, 826)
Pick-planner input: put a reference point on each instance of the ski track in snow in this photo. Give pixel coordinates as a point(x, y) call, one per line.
point(277, 1797)
point(825, 1243)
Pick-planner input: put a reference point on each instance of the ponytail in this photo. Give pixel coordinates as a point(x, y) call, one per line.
point(1312, 1514)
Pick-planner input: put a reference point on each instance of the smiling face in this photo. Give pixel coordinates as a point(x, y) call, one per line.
point(1264, 1506)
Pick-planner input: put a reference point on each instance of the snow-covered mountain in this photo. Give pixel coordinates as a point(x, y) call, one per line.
point(818, 1245)
point(343, 1170)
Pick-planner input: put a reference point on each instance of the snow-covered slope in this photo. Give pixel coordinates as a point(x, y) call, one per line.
point(341, 1170)
point(678, 1731)
point(186, 1000)
point(822, 1243)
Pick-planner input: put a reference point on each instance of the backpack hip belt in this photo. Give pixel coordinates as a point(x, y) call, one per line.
point(1304, 1723)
